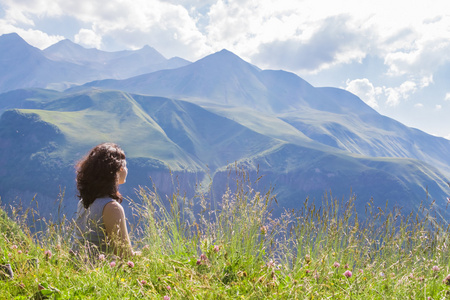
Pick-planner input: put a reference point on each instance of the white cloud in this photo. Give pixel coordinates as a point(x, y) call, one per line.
point(402, 92)
point(418, 105)
point(88, 38)
point(438, 107)
point(364, 89)
point(447, 97)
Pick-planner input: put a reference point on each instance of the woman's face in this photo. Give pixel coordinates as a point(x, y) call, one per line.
point(123, 172)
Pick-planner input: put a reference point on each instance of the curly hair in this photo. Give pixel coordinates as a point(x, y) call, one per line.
point(97, 173)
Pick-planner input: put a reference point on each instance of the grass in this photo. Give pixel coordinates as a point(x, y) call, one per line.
point(236, 249)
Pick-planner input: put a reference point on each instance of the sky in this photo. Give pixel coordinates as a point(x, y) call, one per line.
point(393, 54)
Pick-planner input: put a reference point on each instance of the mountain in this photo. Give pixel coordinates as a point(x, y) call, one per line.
point(330, 116)
point(24, 66)
point(40, 145)
point(119, 65)
point(187, 127)
point(66, 64)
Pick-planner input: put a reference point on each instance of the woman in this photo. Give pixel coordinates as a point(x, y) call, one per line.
point(100, 223)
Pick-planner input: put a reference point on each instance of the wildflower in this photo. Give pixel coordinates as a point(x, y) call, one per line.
point(203, 257)
point(346, 266)
point(199, 262)
point(316, 275)
point(168, 287)
point(166, 298)
point(307, 271)
point(381, 274)
point(336, 264)
point(271, 264)
point(14, 247)
point(112, 264)
point(348, 274)
point(130, 264)
point(263, 230)
point(216, 248)
point(19, 251)
point(435, 268)
point(101, 257)
point(307, 258)
point(48, 254)
point(143, 282)
point(446, 280)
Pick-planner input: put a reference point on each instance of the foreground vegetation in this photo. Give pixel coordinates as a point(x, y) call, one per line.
point(237, 250)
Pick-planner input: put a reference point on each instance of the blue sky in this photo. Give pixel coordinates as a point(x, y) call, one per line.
point(395, 55)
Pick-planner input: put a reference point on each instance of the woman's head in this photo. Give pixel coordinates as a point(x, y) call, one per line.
point(100, 172)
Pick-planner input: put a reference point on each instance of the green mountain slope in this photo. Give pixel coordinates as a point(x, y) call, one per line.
point(39, 147)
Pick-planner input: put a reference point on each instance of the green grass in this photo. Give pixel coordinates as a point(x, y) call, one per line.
point(238, 250)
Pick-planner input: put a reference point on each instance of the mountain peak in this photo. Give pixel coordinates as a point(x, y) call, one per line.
point(227, 59)
point(12, 38)
point(64, 44)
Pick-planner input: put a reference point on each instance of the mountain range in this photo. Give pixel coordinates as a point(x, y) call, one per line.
point(66, 63)
point(189, 124)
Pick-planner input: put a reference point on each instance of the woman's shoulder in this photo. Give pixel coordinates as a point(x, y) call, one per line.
point(113, 208)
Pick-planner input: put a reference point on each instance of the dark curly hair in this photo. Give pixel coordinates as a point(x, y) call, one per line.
point(97, 173)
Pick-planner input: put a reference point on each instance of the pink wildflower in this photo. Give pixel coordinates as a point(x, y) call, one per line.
point(348, 274)
point(48, 253)
point(130, 264)
point(19, 251)
point(199, 262)
point(263, 230)
point(435, 268)
point(14, 247)
point(336, 264)
point(203, 257)
point(168, 287)
point(101, 257)
point(307, 258)
point(166, 298)
point(143, 282)
point(112, 264)
point(446, 280)
point(216, 248)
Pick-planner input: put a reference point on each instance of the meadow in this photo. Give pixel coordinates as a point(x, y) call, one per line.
point(235, 249)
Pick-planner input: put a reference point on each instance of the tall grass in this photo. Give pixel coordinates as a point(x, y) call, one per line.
point(235, 248)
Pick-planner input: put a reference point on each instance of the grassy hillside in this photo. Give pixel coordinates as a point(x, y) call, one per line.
point(242, 251)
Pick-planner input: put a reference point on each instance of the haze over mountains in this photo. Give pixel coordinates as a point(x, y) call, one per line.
point(65, 64)
point(198, 119)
